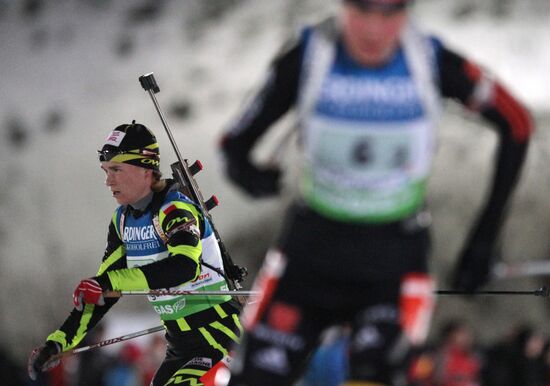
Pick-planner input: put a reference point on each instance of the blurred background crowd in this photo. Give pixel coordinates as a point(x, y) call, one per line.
point(453, 357)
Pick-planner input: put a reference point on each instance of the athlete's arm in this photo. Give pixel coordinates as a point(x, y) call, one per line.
point(277, 95)
point(466, 82)
point(75, 327)
point(180, 221)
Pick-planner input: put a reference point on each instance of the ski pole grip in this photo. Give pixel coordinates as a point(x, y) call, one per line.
point(149, 83)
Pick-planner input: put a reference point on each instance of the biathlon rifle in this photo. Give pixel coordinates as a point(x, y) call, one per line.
point(183, 174)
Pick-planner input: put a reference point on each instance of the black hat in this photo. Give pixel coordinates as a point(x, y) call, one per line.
point(133, 144)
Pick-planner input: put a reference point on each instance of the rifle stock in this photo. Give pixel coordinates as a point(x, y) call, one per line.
point(183, 174)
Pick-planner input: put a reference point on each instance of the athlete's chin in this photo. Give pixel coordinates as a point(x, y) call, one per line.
point(372, 58)
point(120, 199)
point(371, 54)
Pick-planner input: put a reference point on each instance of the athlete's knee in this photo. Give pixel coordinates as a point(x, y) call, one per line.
point(185, 377)
point(266, 366)
point(267, 357)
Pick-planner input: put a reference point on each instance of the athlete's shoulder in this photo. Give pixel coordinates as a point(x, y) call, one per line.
point(440, 48)
point(178, 213)
point(291, 48)
point(327, 28)
point(435, 40)
point(117, 213)
point(298, 38)
point(177, 196)
point(170, 192)
point(177, 204)
point(116, 220)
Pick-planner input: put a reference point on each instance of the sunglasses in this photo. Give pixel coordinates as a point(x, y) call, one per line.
point(108, 154)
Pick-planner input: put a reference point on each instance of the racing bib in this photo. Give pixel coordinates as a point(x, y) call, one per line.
point(143, 246)
point(373, 172)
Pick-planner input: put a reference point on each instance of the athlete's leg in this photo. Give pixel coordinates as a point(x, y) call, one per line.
point(185, 363)
point(279, 333)
point(169, 366)
point(378, 349)
point(385, 332)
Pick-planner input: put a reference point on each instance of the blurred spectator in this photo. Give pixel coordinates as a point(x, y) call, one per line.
point(92, 364)
point(329, 364)
point(457, 363)
point(529, 366)
point(453, 362)
point(546, 356)
point(499, 360)
point(126, 370)
point(421, 368)
point(521, 357)
point(153, 357)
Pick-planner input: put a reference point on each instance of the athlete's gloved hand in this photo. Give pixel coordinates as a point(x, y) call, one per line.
point(474, 265)
point(88, 291)
point(258, 182)
point(41, 358)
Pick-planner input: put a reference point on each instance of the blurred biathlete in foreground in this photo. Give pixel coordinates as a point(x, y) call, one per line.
point(367, 88)
point(157, 239)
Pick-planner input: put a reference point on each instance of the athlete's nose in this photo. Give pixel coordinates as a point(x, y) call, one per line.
point(109, 179)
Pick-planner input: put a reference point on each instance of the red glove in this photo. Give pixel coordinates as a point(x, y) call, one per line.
point(88, 291)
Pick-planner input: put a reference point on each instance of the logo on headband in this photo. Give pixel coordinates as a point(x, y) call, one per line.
point(115, 138)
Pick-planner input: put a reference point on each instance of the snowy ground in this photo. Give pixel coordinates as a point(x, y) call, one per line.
point(70, 73)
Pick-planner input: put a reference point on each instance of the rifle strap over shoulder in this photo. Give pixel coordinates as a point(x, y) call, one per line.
point(158, 200)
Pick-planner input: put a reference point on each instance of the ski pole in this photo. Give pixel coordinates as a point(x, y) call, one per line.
point(108, 342)
point(165, 292)
point(503, 270)
point(542, 292)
